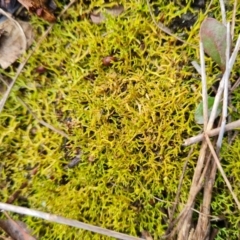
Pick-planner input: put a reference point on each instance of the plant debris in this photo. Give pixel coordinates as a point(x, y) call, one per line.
point(213, 35)
point(41, 9)
point(16, 229)
point(16, 38)
point(99, 16)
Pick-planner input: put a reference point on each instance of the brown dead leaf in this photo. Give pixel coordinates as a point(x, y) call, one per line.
point(98, 17)
point(40, 8)
point(14, 41)
point(16, 229)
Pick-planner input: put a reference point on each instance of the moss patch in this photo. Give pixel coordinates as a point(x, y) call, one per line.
point(129, 120)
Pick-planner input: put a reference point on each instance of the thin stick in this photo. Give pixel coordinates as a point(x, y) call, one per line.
point(3, 81)
point(234, 18)
point(195, 210)
point(223, 12)
point(236, 84)
point(65, 221)
point(225, 95)
point(208, 8)
point(196, 66)
point(47, 125)
point(208, 178)
point(211, 133)
point(162, 27)
point(221, 170)
point(184, 225)
point(186, 213)
point(204, 87)
point(178, 192)
point(22, 65)
point(17, 231)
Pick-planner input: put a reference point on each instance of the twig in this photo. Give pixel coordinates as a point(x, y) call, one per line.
point(225, 95)
point(233, 18)
point(178, 192)
point(196, 66)
point(204, 87)
point(209, 179)
point(3, 81)
point(221, 170)
point(47, 125)
point(185, 216)
point(236, 84)
point(223, 12)
point(211, 133)
point(208, 8)
point(164, 28)
point(214, 218)
point(65, 221)
point(233, 137)
point(15, 229)
point(197, 183)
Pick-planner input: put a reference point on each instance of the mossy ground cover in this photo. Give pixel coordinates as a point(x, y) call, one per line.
point(129, 119)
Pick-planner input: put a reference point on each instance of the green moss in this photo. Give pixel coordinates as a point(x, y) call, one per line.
point(129, 118)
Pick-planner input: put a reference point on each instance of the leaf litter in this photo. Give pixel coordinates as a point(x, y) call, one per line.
point(98, 16)
point(15, 39)
point(16, 36)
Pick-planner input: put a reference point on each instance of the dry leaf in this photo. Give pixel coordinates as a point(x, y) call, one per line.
point(14, 41)
point(40, 8)
point(16, 229)
point(99, 17)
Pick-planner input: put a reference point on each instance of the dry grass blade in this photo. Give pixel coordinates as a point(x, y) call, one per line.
point(196, 66)
point(184, 205)
point(203, 219)
point(221, 170)
point(176, 203)
point(47, 125)
point(234, 18)
point(236, 84)
point(164, 28)
point(204, 87)
point(223, 12)
point(209, 7)
point(225, 95)
point(197, 184)
point(65, 221)
point(211, 133)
